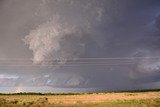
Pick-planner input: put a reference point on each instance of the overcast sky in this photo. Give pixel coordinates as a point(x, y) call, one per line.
point(94, 44)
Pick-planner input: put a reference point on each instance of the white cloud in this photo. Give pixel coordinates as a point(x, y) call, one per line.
point(7, 76)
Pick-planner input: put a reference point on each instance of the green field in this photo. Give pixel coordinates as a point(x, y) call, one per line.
point(123, 99)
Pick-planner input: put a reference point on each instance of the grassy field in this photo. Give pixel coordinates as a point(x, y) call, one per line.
point(123, 99)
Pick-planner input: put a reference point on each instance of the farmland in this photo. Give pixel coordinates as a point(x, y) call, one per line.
point(113, 99)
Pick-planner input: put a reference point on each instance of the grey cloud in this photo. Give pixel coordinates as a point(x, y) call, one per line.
point(94, 29)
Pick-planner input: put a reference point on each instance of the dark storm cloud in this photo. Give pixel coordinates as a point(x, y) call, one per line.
point(71, 31)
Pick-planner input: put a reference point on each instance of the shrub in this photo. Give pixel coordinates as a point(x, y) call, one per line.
point(15, 101)
point(3, 101)
point(42, 100)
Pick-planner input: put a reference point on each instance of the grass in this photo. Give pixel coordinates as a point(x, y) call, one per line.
point(123, 99)
point(124, 103)
point(120, 103)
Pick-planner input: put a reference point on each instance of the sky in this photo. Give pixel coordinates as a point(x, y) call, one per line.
point(82, 45)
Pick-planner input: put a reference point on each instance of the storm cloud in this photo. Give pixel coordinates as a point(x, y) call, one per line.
point(99, 44)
